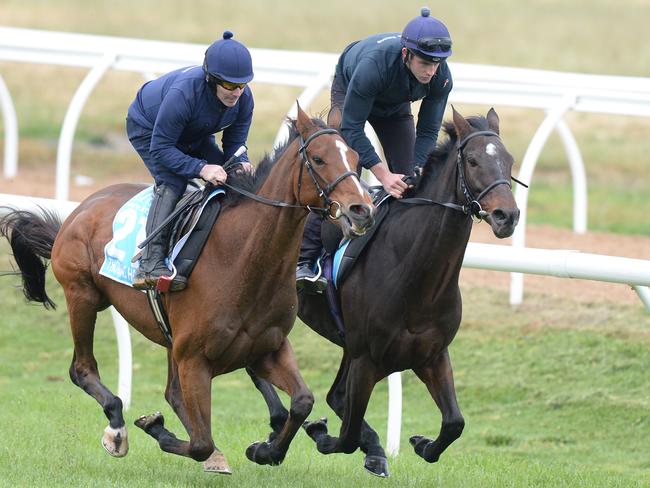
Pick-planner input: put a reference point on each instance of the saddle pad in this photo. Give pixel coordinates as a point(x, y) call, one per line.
point(336, 262)
point(348, 252)
point(129, 228)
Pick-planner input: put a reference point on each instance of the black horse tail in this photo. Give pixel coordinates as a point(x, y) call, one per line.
point(31, 236)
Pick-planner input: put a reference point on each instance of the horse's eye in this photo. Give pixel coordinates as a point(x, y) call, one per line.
point(472, 162)
point(317, 160)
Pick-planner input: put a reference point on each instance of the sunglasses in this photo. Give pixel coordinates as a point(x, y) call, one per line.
point(230, 86)
point(433, 44)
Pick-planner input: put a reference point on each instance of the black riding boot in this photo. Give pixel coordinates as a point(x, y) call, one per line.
point(152, 262)
point(310, 250)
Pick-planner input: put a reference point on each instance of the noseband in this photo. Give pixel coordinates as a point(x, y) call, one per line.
point(331, 208)
point(473, 206)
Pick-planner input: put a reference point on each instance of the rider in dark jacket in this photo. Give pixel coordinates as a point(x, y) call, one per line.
point(171, 124)
point(375, 81)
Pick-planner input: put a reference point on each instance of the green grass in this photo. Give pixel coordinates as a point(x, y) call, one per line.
point(553, 395)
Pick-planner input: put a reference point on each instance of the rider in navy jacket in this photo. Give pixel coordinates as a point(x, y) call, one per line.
point(376, 80)
point(171, 124)
point(379, 85)
point(182, 113)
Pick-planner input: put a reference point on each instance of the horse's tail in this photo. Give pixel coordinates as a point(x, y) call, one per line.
point(31, 236)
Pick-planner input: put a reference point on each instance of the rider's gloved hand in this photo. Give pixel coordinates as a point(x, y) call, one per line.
point(213, 173)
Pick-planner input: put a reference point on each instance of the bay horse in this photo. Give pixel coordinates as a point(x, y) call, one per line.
point(240, 302)
point(401, 303)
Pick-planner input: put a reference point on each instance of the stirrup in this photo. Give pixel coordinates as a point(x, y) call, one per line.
point(173, 282)
point(314, 284)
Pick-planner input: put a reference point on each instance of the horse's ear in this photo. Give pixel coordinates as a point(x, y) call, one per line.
point(462, 126)
point(493, 120)
point(303, 123)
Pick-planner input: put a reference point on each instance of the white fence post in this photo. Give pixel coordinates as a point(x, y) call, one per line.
point(521, 193)
point(394, 414)
point(66, 139)
point(578, 176)
point(125, 360)
point(11, 132)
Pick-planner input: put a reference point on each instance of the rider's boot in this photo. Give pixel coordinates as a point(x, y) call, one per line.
point(152, 262)
point(307, 278)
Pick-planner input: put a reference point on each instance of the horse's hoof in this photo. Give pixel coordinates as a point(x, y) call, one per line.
point(315, 429)
point(425, 448)
point(415, 439)
point(115, 441)
point(260, 453)
point(377, 465)
point(216, 463)
point(147, 421)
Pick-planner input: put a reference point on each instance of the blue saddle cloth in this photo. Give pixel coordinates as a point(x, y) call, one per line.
point(129, 229)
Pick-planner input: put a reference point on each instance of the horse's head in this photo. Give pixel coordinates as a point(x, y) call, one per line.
point(485, 171)
point(328, 179)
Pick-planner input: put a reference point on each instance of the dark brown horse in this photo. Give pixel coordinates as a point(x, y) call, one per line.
point(240, 302)
point(401, 303)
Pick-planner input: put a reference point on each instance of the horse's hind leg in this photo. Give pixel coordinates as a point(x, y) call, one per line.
point(83, 301)
point(277, 413)
point(280, 369)
point(217, 462)
point(440, 382)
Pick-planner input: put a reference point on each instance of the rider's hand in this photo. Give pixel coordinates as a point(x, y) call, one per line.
point(213, 173)
point(392, 182)
point(246, 167)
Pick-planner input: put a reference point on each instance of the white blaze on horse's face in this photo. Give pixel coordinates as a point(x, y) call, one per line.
point(343, 149)
point(491, 150)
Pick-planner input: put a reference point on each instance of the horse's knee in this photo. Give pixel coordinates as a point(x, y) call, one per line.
point(301, 405)
point(453, 428)
point(200, 450)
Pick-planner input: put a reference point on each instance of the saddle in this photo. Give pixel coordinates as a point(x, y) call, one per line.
point(198, 223)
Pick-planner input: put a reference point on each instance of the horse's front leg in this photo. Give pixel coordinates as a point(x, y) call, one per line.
point(217, 462)
point(375, 461)
point(361, 379)
point(440, 382)
point(195, 381)
point(280, 368)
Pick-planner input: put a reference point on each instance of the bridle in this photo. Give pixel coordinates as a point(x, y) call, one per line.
point(324, 193)
point(332, 208)
point(473, 205)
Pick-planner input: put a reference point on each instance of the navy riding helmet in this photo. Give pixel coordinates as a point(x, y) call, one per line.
point(228, 60)
point(427, 37)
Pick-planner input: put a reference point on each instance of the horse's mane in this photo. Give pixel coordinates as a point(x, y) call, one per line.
point(252, 183)
point(439, 155)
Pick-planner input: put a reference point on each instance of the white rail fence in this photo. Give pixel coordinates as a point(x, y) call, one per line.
point(555, 93)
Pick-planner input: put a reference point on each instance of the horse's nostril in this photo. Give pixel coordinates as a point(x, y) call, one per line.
point(499, 215)
point(362, 211)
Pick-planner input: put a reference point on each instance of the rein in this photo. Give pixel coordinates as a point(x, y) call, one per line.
point(473, 205)
point(331, 209)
